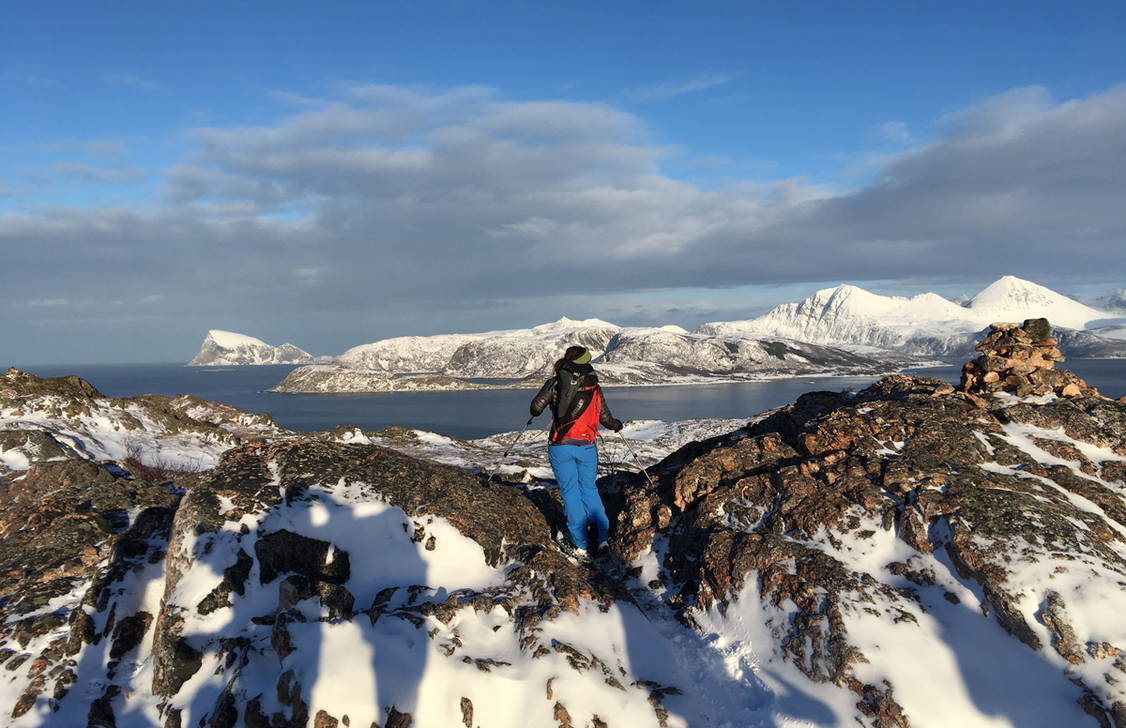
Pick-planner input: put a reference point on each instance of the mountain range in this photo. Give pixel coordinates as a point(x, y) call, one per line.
point(926, 324)
point(836, 330)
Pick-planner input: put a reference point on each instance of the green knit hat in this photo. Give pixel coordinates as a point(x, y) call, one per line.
point(584, 359)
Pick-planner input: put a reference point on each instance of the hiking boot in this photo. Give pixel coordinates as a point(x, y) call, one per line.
point(574, 553)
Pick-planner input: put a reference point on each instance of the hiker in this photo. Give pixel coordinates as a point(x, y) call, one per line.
point(577, 408)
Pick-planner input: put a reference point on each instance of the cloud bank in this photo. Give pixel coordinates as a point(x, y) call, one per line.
point(389, 199)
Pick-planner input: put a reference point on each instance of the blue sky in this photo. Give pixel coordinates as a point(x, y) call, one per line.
point(142, 140)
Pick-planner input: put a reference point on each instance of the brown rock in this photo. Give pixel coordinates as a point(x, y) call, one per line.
point(467, 712)
point(395, 719)
point(1037, 329)
point(1051, 353)
point(324, 720)
point(560, 714)
point(1071, 390)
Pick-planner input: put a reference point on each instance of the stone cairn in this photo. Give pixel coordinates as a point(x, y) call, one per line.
point(1022, 360)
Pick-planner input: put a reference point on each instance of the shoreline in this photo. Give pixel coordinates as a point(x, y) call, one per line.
point(672, 383)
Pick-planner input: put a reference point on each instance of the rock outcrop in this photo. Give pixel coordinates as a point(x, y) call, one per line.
point(912, 554)
point(913, 506)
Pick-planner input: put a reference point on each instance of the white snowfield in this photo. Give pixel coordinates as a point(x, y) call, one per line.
point(649, 440)
point(226, 348)
point(849, 316)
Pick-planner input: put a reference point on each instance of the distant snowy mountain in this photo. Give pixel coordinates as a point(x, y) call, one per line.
point(491, 354)
point(837, 330)
point(926, 324)
point(226, 348)
point(1115, 301)
point(638, 356)
point(523, 357)
point(1011, 298)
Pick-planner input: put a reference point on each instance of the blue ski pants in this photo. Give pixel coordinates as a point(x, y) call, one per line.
point(576, 468)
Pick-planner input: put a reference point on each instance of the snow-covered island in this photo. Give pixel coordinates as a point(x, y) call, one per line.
point(624, 356)
point(913, 554)
point(226, 348)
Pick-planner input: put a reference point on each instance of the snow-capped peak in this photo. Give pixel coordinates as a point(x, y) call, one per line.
point(925, 323)
point(231, 340)
point(565, 323)
point(1012, 298)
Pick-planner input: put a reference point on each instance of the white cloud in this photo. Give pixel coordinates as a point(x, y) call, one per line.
point(427, 200)
point(895, 131)
point(129, 80)
point(87, 173)
point(669, 90)
point(29, 79)
point(106, 149)
point(46, 303)
point(296, 99)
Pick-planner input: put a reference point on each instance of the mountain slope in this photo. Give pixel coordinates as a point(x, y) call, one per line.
point(226, 348)
point(1012, 299)
point(509, 353)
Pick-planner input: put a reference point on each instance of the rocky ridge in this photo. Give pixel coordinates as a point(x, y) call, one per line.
point(911, 554)
point(923, 508)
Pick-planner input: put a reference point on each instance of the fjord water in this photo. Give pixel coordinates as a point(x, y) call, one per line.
point(480, 413)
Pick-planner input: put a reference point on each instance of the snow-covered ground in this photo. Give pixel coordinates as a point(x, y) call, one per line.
point(117, 429)
point(649, 440)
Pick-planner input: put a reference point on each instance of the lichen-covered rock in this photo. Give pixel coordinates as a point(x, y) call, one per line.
point(1018, 498)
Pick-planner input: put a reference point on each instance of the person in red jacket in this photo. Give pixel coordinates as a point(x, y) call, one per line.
point(577, 408)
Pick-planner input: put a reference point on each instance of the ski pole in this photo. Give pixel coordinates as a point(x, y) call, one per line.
point(517, 438)
point(635, 459)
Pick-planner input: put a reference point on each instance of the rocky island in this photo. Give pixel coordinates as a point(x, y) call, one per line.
point(226, 348)
point(913, 554)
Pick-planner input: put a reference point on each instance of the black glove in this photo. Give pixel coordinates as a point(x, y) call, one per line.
point(616, 425)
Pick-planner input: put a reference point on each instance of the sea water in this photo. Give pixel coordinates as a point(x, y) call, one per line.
point(478, 413)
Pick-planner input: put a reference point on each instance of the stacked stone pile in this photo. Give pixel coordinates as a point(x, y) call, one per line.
point(1022, 360)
